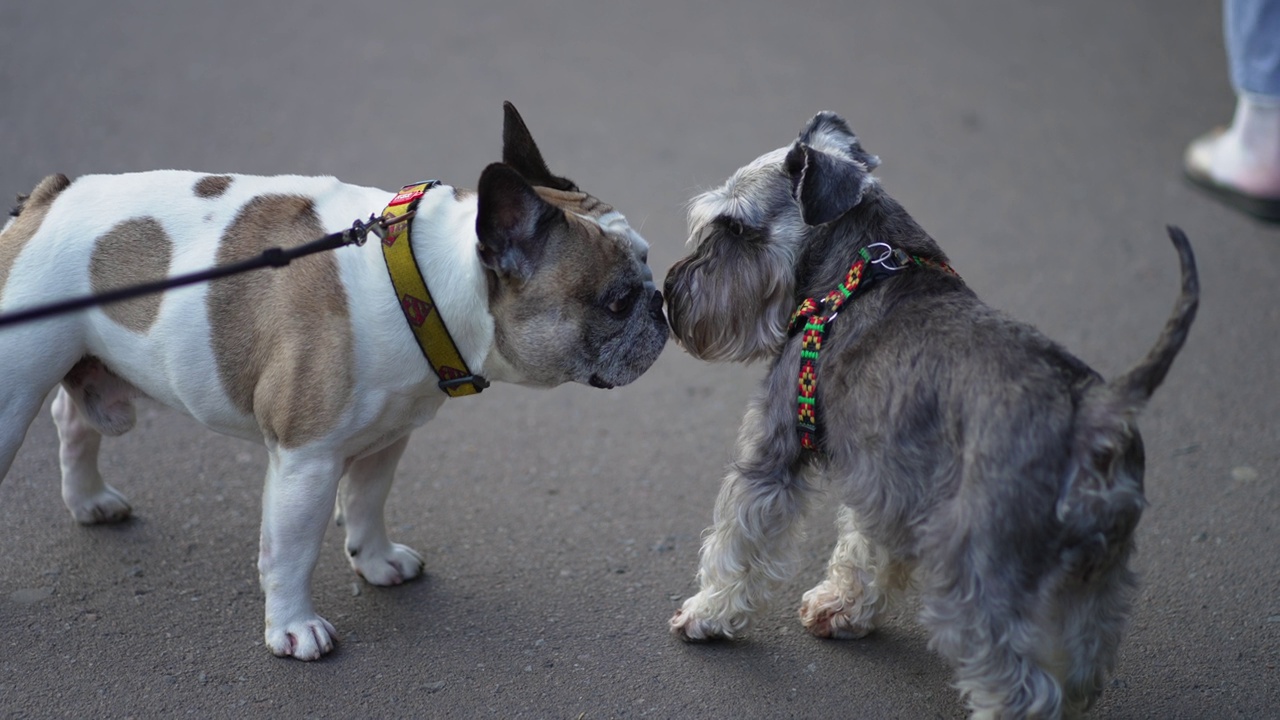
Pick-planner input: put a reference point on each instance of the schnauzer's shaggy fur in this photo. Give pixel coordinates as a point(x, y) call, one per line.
point(975, 459)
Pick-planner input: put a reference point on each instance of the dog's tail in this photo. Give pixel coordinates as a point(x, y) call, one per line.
point(1102, 498)
point(1135, 387)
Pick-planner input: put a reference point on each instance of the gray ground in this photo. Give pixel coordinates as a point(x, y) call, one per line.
point(1038, 142)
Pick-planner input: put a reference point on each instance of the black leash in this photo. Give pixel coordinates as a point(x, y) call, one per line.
point(272, 257)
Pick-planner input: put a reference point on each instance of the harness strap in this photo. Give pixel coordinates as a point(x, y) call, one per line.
point(415, 299)
point(814, 315)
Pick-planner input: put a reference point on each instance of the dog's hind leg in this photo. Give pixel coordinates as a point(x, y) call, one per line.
point(1093, 617)
point(18, 407)
point(863, 581)
point(90, 403)
point(994, 635)
point(89, 499)
point(751, 549)
point(363, 497)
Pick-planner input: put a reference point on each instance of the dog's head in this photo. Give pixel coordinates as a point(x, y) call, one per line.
point(731, 298)
point(571, 293)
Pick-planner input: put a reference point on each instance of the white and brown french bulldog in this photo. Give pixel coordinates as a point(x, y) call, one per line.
point(537, 282)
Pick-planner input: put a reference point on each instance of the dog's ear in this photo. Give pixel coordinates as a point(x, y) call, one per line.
point(829, 133)
point(521, 153)
point(512, 222)
point(828, 168)
point(825, 186)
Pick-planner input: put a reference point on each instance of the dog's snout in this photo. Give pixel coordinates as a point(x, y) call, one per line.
point(655, 304)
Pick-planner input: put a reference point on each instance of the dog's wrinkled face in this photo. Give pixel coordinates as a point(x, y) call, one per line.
point(571, 293)
point(730, 299)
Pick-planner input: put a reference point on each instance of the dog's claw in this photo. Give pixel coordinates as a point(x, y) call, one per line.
point(828, 614)
point(679, 626)
point(306, 640)
point(689, 627)
point(108, 506)
point(393, 567)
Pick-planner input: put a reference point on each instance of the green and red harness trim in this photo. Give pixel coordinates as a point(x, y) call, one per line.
point(814, 315)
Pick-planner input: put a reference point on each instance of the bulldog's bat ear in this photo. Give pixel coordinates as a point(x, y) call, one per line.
point(512, 222)
point(826, 186)
point(521, 153)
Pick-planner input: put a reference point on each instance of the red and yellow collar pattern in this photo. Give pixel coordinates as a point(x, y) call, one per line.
point(419, 309)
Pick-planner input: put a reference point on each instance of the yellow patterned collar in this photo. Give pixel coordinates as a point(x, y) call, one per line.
point(415, 299)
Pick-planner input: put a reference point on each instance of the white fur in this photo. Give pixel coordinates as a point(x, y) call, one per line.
point(394, 389)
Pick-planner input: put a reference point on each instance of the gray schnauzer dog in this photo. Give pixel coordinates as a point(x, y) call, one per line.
point(975, 459)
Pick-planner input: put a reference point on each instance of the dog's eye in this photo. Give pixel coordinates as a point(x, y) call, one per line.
point(736, 229)
point(621, 306)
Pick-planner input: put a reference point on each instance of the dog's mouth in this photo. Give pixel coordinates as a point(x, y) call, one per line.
point(599, 382)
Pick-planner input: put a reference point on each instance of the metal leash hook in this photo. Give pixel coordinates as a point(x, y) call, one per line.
point(379, 225)
point(359, 230)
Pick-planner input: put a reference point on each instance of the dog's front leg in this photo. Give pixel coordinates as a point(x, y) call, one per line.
point(299, 495)
point(750, 550)
point(373, 556)
point(863, 581)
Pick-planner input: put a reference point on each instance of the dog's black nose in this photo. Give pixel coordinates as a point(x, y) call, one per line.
point(655, 304)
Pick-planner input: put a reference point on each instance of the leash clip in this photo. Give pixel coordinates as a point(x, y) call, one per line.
point(359, 231)
point(379, 225)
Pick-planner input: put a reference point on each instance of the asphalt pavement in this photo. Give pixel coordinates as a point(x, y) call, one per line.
point(1038, 142)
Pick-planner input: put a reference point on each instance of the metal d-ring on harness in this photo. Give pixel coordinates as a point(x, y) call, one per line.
point(271, 257)
point(901, 260)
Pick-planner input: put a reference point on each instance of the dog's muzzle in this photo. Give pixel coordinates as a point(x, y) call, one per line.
point(655, 306)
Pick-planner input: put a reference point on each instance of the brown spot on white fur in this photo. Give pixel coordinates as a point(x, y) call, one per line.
point(31, 213)
point(211, 186)
point(282, 338)
point(134, 251)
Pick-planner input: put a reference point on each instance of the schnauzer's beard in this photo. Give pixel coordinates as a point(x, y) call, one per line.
point(730, 301)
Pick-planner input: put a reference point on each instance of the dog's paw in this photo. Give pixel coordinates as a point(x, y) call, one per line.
point(696, 622)
point(690, 629)
point(304, 640)
point(826, 613)
point(108, 506)
point(391, 567)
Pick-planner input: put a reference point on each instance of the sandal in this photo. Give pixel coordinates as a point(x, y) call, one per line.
point(1263, 208)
